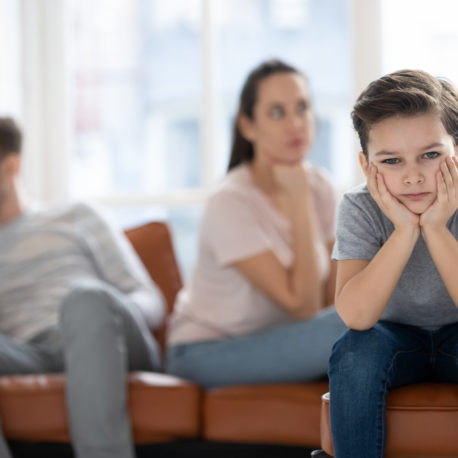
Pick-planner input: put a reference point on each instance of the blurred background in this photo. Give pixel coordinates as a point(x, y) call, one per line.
point(130, 103)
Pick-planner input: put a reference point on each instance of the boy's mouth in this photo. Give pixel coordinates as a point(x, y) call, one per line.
point(416, 196)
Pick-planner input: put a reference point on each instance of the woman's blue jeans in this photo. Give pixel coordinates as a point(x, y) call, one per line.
point(289, 353)
point(364, 365)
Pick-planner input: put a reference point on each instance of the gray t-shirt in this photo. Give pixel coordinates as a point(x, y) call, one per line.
point(420, 297)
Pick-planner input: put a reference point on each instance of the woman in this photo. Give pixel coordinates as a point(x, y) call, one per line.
point(253, 312)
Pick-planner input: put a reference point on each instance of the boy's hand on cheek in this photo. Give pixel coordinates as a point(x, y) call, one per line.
point(394, 210)
point(446, 202)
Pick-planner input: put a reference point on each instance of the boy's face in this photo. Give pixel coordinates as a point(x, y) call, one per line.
point(408, 151)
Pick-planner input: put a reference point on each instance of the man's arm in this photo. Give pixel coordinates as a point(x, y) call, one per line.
point(119, 265)
point(441, 243)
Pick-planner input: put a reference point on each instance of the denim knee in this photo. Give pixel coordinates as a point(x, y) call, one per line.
point(88, 303)
point(359, 356)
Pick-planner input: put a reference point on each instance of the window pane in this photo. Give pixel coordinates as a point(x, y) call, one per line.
point(421, 34)
point(183, 223)
point(313, 35)
point(137, 96)
point(10, 52)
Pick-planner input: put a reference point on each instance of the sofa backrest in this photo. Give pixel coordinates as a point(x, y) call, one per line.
point(153, 243)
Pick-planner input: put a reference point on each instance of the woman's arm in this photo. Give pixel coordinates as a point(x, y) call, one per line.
point(298, 289)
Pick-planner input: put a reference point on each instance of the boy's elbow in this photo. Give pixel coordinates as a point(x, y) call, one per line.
point(354, 319)
point(357, 326)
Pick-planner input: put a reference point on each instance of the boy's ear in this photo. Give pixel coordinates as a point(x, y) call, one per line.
point(363, 163)
point(246, 127)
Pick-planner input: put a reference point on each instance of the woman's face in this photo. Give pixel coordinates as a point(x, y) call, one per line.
point(283, 123)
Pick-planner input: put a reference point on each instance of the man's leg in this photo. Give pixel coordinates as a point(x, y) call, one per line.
point(102, 338)
point(22, 358)
point(4, 450)
point(363, 366)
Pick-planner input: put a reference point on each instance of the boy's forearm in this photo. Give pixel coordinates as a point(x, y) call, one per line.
point(443, 248)
point(363, 299)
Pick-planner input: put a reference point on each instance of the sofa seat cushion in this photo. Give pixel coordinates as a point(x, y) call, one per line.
point(422, 420)
point(271, 414)
point(162, 407)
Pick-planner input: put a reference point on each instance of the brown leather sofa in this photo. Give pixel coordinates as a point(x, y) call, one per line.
point(162, 407)
point(422, 421)
point(165, 408)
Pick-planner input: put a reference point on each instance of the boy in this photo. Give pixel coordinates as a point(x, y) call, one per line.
point(397, 252)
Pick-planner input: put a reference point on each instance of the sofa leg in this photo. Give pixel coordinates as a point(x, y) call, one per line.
point(319, 454)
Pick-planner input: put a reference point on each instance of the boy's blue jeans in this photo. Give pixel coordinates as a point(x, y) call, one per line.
point(364, 365)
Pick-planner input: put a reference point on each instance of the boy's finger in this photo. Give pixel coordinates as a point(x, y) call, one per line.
point(453, 167)
point(447, 175)
point(441, 187)
point(372, 182)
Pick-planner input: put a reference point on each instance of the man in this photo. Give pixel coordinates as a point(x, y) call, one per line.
point(74, 297)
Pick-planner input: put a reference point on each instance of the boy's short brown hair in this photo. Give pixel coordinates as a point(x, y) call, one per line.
point(405, 93)
point(10, 137)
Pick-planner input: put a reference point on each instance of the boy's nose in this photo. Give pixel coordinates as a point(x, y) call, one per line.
point(414, 178)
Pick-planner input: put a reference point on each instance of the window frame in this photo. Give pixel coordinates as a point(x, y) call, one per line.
point(47, 117)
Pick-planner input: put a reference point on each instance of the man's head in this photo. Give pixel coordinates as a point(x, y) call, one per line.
point(10, 138)
point(10, 149)
point(408, 125)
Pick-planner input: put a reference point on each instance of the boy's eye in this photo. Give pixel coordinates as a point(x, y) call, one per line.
point(277, 112)
point(391, 161)
point(431, 155)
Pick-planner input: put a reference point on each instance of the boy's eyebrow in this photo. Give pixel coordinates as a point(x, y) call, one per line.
point(390, 153)
point(434, 145)
point(385, 153)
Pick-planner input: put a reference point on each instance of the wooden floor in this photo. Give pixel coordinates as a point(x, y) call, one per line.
point(185, 449)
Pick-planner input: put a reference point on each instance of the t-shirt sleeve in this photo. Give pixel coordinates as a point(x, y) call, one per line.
point(358, 233)
point(230, 229)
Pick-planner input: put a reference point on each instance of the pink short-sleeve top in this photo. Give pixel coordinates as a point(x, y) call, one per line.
point(239, 222)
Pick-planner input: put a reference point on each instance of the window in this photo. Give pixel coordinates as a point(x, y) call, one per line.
point(420, 34)
point(130, 102)
point(136, 74)
point(10, 46)
point(155, 92)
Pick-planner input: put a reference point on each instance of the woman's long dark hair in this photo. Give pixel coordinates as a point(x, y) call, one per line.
point(242, 149)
